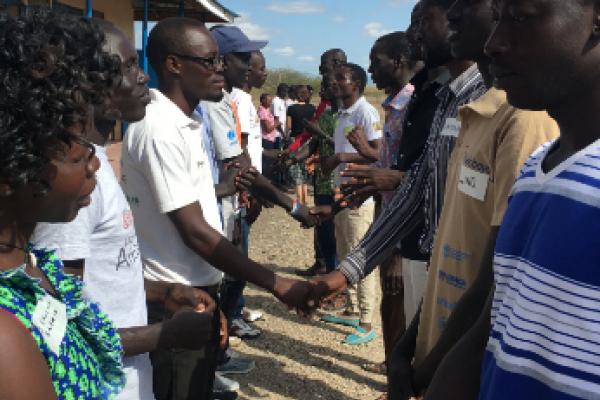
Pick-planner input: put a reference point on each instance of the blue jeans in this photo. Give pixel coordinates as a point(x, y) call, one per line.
point(325, 236)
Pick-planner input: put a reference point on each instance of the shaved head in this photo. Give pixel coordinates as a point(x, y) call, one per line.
point(171, 36)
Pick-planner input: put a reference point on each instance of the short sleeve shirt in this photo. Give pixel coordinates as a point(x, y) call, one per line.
point(103, 234)
point(543, 340)
point(250, 125)
point(264, 114)
point(165, 167)
point(360, 114)
point(222, 125)
point(298, 113)
point(494, 142)
point(279, 110)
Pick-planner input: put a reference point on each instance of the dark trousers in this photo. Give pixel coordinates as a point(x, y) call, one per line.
point(185, 374)
point(232, 290)
point(269, 163)
point(325, 250)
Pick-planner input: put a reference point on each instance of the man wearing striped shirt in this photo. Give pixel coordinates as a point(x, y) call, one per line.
point(401, 222)
point(543, 342)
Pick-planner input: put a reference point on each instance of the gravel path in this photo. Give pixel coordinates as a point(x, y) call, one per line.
point(295, 358)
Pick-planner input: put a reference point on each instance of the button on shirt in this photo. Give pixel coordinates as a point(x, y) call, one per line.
point(165, 168)
point(360, 114)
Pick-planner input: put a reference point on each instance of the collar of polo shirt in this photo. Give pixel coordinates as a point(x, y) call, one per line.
point(173, 112)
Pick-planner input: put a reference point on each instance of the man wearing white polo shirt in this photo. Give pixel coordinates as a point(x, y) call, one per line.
point(356, 118)
point(168, 180)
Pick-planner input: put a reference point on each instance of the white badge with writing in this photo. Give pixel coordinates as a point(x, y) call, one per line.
point(50, 317)
point(473, 183)
point(451, 127)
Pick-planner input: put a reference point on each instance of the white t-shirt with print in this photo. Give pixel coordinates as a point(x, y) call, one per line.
point(250, 124)
point(165, 168)
point(103, 234)
point(362, 114)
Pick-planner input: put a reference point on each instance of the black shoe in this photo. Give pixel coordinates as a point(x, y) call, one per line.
point(316, 269)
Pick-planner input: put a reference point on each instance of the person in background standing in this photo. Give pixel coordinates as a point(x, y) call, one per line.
point(279, 110)
point(270, 129)
point(297, 114)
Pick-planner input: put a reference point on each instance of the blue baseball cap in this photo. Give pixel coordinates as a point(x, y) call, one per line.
point(232, 40)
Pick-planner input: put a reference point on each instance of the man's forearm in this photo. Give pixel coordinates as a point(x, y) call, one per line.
point(464, 316)
point(140, 339)
point(156, 291)
point(224, 190)
point(458, 375)
point(397, 220)
point(264, 190)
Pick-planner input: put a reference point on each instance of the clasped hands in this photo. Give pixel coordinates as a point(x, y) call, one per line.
point(191, 324)
point(305, 296)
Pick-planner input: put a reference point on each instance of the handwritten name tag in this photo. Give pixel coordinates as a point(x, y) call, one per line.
point(451, 127)
point(50, 317)
point(473, 183)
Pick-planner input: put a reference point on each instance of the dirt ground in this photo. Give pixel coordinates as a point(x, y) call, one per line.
point(296, 358)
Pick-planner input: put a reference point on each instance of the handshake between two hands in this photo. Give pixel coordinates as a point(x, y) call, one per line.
point(306, 296)
point(191, 324)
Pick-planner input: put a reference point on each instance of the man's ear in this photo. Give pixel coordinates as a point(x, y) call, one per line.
point(6, 190)
point(173, 65)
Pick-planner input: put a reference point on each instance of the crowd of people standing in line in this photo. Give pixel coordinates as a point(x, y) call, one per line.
point(475, 197)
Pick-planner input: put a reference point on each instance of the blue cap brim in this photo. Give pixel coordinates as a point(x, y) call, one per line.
point(252, 45)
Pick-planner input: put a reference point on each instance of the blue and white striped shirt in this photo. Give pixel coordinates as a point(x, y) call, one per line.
point(545, 327)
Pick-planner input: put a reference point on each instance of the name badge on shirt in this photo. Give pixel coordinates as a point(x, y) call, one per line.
point(50, 317)
point(451, 127)
point(473, 183)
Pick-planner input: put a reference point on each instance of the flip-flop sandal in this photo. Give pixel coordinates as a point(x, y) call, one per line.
point(360, 337)
point(341, 320)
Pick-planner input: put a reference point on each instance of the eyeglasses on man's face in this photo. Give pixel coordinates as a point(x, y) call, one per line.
point(210, 63)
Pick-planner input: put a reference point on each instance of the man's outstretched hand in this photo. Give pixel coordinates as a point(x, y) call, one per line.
point(306, 218)
point(326, 286)
point(295, 293)
point(365, 179)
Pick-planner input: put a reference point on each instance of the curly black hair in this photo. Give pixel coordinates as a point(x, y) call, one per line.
point(52, 69)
